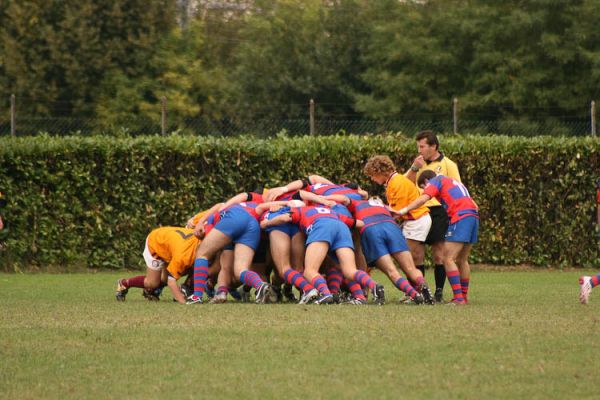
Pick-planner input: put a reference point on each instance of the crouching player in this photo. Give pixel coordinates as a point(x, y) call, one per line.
point(169, 252)
point(236, 225)
point(327, 234)
point(462, 231)
point(383, 242)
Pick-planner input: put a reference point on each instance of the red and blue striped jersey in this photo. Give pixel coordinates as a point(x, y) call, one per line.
point(249, 207)
point(306, 216)
point(370, 212)
point(453, 195)
point(325, 189)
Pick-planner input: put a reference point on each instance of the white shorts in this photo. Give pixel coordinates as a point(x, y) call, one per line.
point(153, 263)
point(417, 229)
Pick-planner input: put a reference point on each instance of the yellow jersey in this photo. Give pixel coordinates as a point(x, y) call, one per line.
point(176, 246)
point(400, 192)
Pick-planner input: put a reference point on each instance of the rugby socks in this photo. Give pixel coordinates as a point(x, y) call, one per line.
point(405, 286)
point(200, 276)
point(334, 280)
point(251, 278)
point(355, 289)
point(464, 285)
point(295, 278)
point(454, 279)
point(595, 280)
point(440, 276)
point(364, 279)
point(136, 281)
point(421, 268)
point(222, 289)
point(321, 285)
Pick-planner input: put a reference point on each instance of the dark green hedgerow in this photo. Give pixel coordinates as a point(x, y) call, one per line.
point(91, 201)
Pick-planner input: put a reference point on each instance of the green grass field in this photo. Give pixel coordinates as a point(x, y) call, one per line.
point(524, 335)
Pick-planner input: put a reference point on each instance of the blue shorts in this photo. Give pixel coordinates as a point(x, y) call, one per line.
point(288, 228)
point(240, 226)
point(342, 210)
point(332, 231)
point(464, 230)
point(381, 239)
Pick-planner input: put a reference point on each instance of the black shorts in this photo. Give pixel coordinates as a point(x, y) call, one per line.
point(439, 225)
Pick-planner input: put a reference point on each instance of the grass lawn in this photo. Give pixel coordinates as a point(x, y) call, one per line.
point(523, 335)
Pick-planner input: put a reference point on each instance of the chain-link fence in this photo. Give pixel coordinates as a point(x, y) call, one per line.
point(13, 123)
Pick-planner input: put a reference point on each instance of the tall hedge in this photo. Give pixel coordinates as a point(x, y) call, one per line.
point(79, 201)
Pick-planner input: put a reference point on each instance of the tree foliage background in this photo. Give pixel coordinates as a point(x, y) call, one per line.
point(235, 59)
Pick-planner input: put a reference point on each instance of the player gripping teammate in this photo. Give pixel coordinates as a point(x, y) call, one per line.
point(431, 158)
point(462, 232)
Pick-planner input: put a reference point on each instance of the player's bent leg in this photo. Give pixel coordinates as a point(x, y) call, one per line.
point(346, 258)
point(314, 257)
point(462, 261)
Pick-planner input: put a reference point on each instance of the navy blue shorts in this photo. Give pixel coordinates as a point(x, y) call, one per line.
point(240, 226)
point(464, 230)
point(381, 239)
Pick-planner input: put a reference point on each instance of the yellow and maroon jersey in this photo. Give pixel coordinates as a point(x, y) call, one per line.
point(176, 246)
point(441, 166)
point(400, 192)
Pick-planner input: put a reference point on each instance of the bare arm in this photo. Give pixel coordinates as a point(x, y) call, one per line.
point(278, 220)
point(237, 199)
point(416, 203)
point(199, 228)
point(315, 198)
point(174, 287)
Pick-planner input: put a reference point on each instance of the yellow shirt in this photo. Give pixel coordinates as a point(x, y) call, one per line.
point(400, 192)
point(443, 165)
point(176, 246)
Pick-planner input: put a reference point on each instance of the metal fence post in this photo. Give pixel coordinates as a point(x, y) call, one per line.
point(311, 109)
point(163, 119)
point(593, 114)
point(455, 115)
point(13, 116)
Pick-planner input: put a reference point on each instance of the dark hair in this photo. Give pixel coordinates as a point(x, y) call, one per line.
point(351, 185)
point(431, 138)
point(427, 174)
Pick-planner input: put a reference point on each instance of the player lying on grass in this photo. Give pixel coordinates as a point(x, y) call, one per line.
point(462, 232)
point(383, 242)
point(327, 233)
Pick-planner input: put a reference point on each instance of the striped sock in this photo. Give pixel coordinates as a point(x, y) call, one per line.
point(464, 285)
point(364, 279)
point(295, 278)
point(355, 289)
point(406, 287)
point(136, 281)
point(454, 279)
point(595, 280)
point(200, 276)
point(334, 279)
point(222, 289)
point(251, 278)
point(321, 285)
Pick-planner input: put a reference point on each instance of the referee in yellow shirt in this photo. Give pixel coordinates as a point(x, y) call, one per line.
point(430, 158)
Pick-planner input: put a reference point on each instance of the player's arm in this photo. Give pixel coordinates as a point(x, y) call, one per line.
point(278, 220)
point(314, 179)
point(418, 202)
point(175, 291)
point(199, 228)
point(339, 198)
point(315, 198)
point(237, 199)
point(412, 172)
point(261, 208)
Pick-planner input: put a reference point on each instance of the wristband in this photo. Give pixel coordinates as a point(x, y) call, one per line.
point(414, 168)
